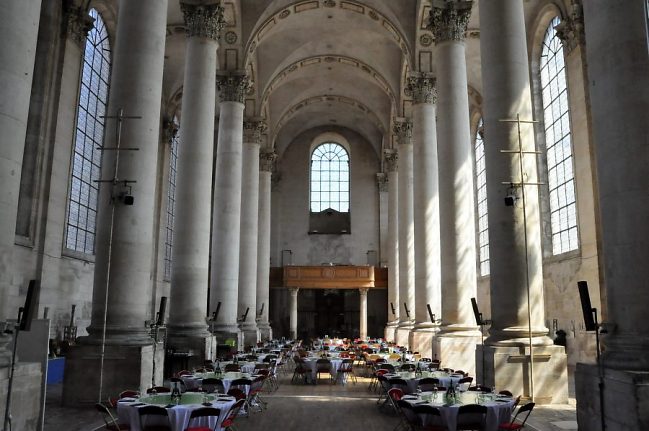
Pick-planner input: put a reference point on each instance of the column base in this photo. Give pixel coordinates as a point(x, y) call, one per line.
point(402, 335)
point(125, 367)
point(248, 336)
point(265, 331)
point(226, 334)
point(196, 348)
point(457, 350)
point(26, 402)
point(625, 398)
point(421, 339)
point(389, 331)
point(509, 368)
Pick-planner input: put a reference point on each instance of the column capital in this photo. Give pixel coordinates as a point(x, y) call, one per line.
point(169, 130)
point(232, 87)
point(363, 290)
point(403, 129)
point(382, 182)
point(78, 24)
point(423, 87)
point(391, 159)
point(253, 128)
point(203, 20)
point(571, 29)
point(293, 290)
point(267, 159)
point(448, 20)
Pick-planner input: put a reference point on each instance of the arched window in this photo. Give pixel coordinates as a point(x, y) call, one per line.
point(330, 178)
point(171, 202)
point(86, 161)
point(561, 182)
point(481, 201)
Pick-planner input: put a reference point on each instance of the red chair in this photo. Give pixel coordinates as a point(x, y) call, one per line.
point(237, 393)
point(110, 421)
point(395, 395)
point(228, 422)
point(203, 412)
point(526, 409)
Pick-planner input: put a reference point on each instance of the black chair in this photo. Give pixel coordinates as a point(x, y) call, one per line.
point(211, 385)
point(397, 382)
point(198, 414)
point(408, 367)
point(480, 388)
point(388, 367)
point(431, 417)
point(151, 412)
point(471, 417)
point(407, 414)
point(513, 425)
point(301, 370)
point(428, 384)
point(323, 366)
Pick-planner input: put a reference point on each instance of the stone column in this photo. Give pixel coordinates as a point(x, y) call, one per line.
point(391, 165)
point(618, 67)
point(266, 165)
point(293, 291)
point(363, 312)
point(252, 130)
point(190, 262)
point(426, 210)
point(124, 261)
point(456, 342)
point(516, 270)
point(18, 31)
point(226, 225)
point(382, 185)
point(403, 130)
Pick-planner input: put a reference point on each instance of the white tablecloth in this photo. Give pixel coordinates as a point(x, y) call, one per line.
point(499, 409)
point(127, 411)
point(412, 380)
point(310, 363)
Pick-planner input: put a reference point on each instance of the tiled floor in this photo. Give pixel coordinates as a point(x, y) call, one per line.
point(303, 407)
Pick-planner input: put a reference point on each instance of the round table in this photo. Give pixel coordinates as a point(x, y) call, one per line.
point(310, 363)
point(499, 408)
point(127, 409)
point(412, 379)
point(194, 381)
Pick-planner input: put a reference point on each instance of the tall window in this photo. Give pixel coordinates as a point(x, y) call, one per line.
point(561, 182)
point(481, 188)
point(86, 162)
point(171, 204)
point(330, 178)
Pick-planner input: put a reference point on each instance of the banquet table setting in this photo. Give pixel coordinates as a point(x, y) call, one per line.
point(499, 407)
point(194, 381)
point(178, 414)
point(412, 379)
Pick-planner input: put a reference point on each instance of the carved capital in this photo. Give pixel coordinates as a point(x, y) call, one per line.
point(233, 87)
point(267, 159)
point(169, 130)
point(253, 128)
point(391, 160)
point(571, 30)
point(403, 129)
point(423, 88)
point(382, 182)
point(203, 20)
point(78, 24)
point(448, 20)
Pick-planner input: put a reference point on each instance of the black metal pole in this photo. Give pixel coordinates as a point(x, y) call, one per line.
point(601, 372)
point(7, 421)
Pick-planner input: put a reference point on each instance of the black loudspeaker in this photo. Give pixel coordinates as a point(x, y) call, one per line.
point(476, 312)
point(392, 307)
point(430, 314)
point(586, 308)
point(31, 305)
point(216, 312)
point(161, 311)
point(261, 311)
point(245, 315)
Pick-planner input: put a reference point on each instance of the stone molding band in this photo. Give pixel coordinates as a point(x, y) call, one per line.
point(204, 20)
point(448, 21)
point(233, 87)
point(423, 87)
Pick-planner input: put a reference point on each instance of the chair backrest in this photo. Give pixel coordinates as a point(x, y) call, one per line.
point(408, 412)
point(237, 393)
point(525, 409)
point(232, 367)
point(234, 411)
point(240, 382)
point(408, 367)
point(428, 383)
point(158, 389)
point(145, 411)
point(395, 393)
point(506, 392)
point(466, 380)
point(129, 393)
point(204, 412)
point(212, 384)
point(471, 416)
point(480, 388)
point(388, 367)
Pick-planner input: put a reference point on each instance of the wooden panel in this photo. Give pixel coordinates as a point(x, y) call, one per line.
point(329, 277)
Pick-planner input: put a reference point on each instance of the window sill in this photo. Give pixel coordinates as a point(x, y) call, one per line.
point(87, 258)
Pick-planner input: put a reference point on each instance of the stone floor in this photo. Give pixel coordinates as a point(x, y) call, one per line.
point(298, 407)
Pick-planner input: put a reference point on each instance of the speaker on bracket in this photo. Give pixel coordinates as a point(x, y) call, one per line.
point(586, 307)
point(31, 305)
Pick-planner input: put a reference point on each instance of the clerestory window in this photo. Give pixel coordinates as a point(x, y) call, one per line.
point(481, 201)
point(330, 178)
